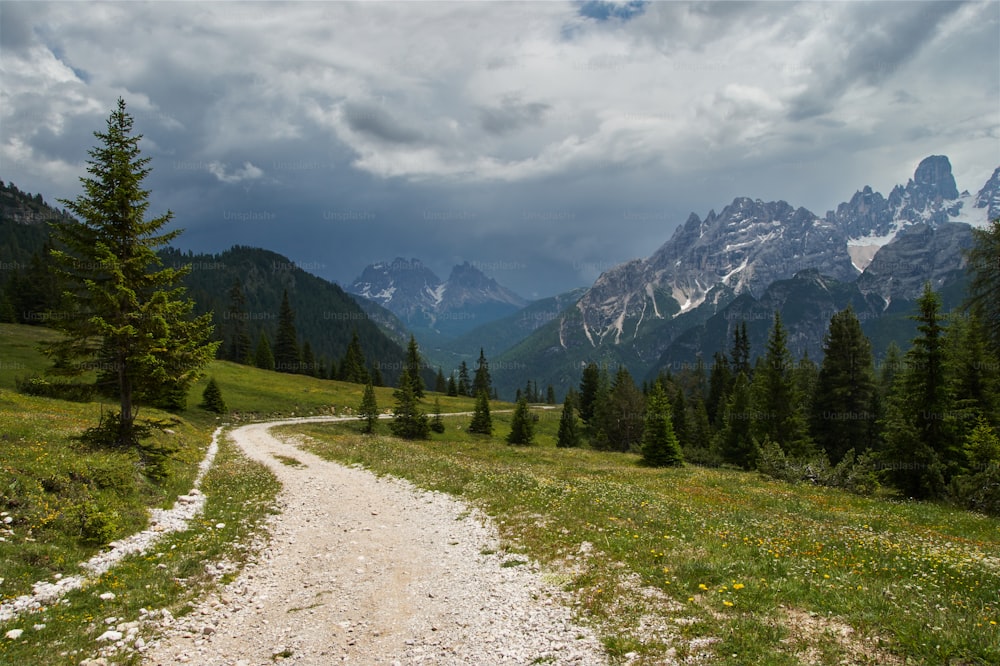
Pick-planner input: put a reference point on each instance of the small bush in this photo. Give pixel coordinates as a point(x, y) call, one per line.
point(98, 525)
point(211, 398)
point(45, 388)
point(979, 491)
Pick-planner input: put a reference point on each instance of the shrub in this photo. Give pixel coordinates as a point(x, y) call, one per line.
point(211, 398)
point(98, 525)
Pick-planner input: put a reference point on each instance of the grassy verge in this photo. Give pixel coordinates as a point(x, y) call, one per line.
point(253, 394)
point(63, 501)
point(678, 562)
point(240, 494)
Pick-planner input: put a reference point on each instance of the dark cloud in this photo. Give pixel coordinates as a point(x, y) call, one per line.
point(377, 123)
point(16, 29)
point(511, 115)
point(398, 134)
point(875, 46)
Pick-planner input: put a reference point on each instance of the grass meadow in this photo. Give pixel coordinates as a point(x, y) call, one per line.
point(666, 564)
point(675, 563)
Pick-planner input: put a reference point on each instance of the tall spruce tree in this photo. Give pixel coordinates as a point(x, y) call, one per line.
point(125, 311)
point(735, 441)
point(437, 421)
point(408, 421)
point(659, 446)
point(482, 380)
point(482, 422)
point(719, 383)
point(309, 366)
point(440, 385)
point(522, 426)
point(741, 350)
point(984, 288)
point(922, 450)
point(263, 356)
point(842, 416)
point(368, 410)
point(239, 345)
point(352, 366)
point(780, 414)
point(464, 385)
point(569, 430)
point(414, 365)
point(620, 417)
point(287, 357)
point(589, 386)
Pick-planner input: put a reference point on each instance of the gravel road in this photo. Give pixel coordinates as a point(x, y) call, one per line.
point(366, 570)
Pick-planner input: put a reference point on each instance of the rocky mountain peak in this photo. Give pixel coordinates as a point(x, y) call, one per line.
point(412, 292)
point(989, 196)
point(933, 178)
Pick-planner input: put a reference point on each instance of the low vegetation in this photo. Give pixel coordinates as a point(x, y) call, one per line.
point(684, 561)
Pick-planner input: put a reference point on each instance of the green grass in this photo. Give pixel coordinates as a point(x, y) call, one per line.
point(66, 501)
point(19, 352)
point(694, 559)
point(241, 495)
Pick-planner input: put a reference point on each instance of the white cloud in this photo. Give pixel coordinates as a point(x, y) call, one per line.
point(686, 103)
point(247, 172)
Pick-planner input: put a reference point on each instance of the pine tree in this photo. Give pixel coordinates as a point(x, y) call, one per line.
point(736, 444)
point(984, 289)
point(659, 446)
point(464, 387)
point(892, 364)
point(308, 360)
point(482, 422)
point(437, 422)
point(522, 426)
point(972, 369)
point(719, 383)
point(376, 375)
point(263, 358)
point(779, 412)
point(620, 417)
point(239, 346)
point(452, 386)
point(679, 412)
point(286, 344)
point(569, 429)
point(352, 366)
point(368, 410)
point(482, 381)
point(408, 421)
point(211, 398)
point(440, 385)
point(550, 395)
point(414, 365)
point(922, 451)
point(125, 310)
point(698, 446)
point(741, 350)
point(841, 414)
point(589, 385)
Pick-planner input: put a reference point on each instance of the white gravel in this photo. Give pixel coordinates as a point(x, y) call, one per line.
point(161, 522)
point(370, 570)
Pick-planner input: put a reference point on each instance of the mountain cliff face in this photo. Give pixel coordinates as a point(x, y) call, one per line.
point(884, 248)
point(428, 305)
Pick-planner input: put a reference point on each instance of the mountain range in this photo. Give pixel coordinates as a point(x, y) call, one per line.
point(664, 312)
point(431, 308)
point(874, 252)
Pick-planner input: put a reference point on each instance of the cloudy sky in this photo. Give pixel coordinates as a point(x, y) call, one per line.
point(543, 142)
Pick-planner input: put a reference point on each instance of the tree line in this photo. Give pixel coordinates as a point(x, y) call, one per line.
point(923, 422)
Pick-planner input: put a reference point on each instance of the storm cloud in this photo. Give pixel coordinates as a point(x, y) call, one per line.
point(545, 142)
